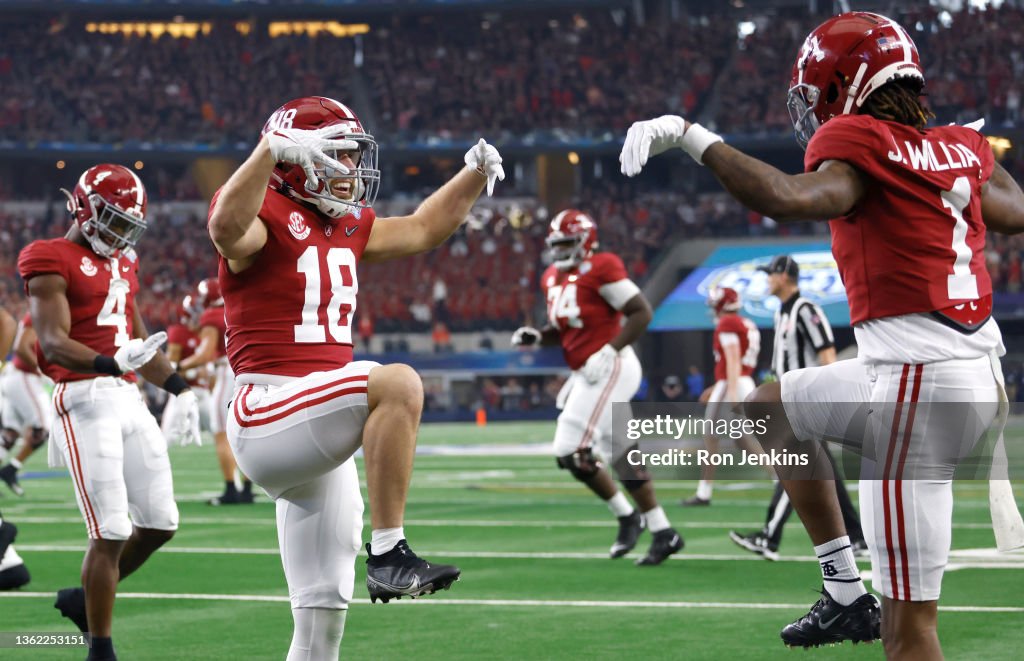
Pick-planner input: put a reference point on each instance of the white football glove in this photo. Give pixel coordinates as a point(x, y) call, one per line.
point(486, 160)
point(650, 138)
point(184, 428)
point(600, 364)
point(138, 352)
point(526, 336)
point(305, 147)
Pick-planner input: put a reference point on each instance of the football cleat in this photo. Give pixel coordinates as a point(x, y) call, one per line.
point(230, 498)
point(666, 542)
point(630, 527)
point(756, 542)
point(9, 474)
point(71, 604)
point(829, 623)
point(401, 573)
point(8, 533)
point(695, 501)
point(860, 549)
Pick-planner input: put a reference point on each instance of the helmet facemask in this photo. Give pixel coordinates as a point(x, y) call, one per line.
point(566, 251)
point(801, 102)
point(108, 229)
point(364, 178)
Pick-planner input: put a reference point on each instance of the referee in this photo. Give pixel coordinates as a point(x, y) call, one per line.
point(803, 338)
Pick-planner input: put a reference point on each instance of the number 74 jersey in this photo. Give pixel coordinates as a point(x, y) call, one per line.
point(100, 293)
point(583, 304)
point(290, 313)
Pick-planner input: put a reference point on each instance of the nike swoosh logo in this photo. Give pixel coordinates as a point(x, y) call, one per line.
point(823, 625)
point(349, 231)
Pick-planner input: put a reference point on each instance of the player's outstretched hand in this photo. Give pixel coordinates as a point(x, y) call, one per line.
point(486, 160)
point(650, 138)
point(184, 429)
point(304, 147)
point(525, 336)
point(138, 352)
point(600, 364)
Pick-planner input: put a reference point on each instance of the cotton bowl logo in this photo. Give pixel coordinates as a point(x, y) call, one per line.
point(88, 267)
point(297, 226)
point(819, 282)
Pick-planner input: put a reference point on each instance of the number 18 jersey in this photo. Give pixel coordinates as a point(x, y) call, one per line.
point(100, 293)
point(290, 313)
point(584, 302)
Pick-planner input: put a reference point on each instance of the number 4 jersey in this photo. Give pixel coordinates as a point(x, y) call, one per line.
point(584, 303)
point(911, 253)
point(100, 292)
point(290, 313)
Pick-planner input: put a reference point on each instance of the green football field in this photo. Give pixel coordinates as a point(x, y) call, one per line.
point(536, 584)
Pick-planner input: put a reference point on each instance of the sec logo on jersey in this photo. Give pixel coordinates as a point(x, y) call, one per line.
point(297, 226)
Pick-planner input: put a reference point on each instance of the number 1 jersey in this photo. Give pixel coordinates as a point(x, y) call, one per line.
point(290, 313)
point(100, 292)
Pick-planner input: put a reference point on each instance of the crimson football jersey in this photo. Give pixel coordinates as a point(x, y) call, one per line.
point(18, 363)
point(915, 242)
point(100, 292)
point(188, 340)
point(215, 317)
point(584, 303)
point(290, 313)
point(749, 341)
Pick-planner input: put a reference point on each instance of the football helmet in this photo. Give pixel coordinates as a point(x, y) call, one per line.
point(316, 112)
point(724, 299)
point(190, 310)
point(842, 62)
point(572, 238)
point(109, 206)
point(208, 294)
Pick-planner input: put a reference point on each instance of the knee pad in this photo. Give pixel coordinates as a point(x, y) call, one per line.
point(582, 464)
point(632, 477)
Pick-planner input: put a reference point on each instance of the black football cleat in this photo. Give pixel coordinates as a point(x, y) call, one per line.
point(829, 623)
point(71, 604)
point(695, 501)
point(756, 542)
point(401, 573)
point(9, 474)
point(8, 533)
point(666, 542)
point(630, 527)
point(226, 498)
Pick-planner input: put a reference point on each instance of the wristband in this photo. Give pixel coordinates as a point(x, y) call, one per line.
point(697, 139)
point(105, 365)
point(174, 384)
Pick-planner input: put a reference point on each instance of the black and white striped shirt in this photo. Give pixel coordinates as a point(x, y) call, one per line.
point(801, 331)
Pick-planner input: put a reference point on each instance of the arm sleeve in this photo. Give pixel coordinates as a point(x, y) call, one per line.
point(728, 339)
point(617, 294)
point(813, 324)
point(40, 259)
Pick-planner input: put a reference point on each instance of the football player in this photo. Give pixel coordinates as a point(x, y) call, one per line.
point(26, 406)
point(91, 340)
point(291, 225)
point(211, 350)
point(909, 206)
point(182, 341)
point(736, 343)
point(589, 294)
point(13, 572)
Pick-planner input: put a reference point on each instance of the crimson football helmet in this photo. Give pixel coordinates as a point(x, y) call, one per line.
point(842, 62)
point(316, 112)
point(571, 238)
point(109, 206)
point(724, 299)
point(190, 310)
point(208, 294)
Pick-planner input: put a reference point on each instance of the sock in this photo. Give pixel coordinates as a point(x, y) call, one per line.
point(384, 539)
point(704, 489)
point(656, 519)
point(317, 634)
point(102, 649)
point(229, 486)
point(619, 505)
point(16, 464)
point(839, 570)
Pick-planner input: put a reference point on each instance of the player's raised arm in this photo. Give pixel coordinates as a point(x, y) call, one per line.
point(831, 191)
point(234, 227)
point(1002, 203)
point(439, 215)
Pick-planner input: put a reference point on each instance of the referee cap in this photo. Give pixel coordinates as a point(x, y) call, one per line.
point(782, 264)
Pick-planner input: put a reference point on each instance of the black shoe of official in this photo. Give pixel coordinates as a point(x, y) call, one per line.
point(630, 527)
point(695, 501)
point(756, 542)
point(227, 498)
point(9, 474)
point(666, 542)
point(401, 573)
point(829, 623)
point(860, 549)
point(71, 604)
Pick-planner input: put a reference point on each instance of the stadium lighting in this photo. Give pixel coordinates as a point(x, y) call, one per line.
point(746, 28)
point(574, 158)
point(139, 165)
point(1000, 145)
point(60, 165)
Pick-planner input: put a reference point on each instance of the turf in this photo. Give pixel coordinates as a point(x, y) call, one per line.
point(496, 517)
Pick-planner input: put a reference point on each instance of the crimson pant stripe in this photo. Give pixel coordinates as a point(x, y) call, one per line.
point(601, 401)
point(284, 413)
point(893, 436)
point(361, 378)
point(899, 481)
point(91, 523)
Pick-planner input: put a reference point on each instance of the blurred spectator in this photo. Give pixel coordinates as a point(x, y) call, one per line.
point(694, 384)
point(365, 329)
point(671, 390)
point(442, 338)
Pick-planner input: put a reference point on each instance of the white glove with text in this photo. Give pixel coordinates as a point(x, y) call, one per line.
point(137, 352)
point(306, 147)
